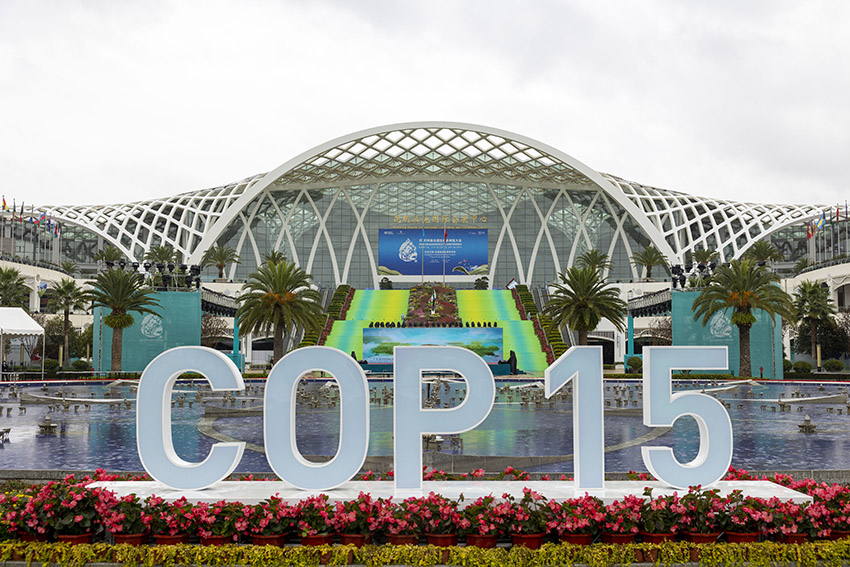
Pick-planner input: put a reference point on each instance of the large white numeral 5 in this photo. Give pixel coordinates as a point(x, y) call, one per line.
point(661, 408)
point(584, 363)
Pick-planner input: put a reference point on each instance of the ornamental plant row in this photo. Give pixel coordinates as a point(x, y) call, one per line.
point(72, 507)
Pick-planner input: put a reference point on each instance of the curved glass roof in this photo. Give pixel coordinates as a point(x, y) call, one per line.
point(440, 152)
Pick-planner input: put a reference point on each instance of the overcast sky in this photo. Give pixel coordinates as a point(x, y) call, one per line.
point(107, 101)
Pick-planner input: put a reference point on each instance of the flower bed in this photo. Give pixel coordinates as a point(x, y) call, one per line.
point(432, 303)
point(72, 508)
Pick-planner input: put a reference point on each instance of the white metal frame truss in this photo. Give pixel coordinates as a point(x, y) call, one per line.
point(425, 155)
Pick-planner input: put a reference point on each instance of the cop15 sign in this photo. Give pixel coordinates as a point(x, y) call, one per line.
point(580, 365)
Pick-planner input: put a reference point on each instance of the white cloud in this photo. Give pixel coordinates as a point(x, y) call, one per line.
point(107, 101)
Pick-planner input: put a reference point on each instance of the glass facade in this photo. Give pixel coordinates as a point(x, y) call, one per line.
point(533, 232)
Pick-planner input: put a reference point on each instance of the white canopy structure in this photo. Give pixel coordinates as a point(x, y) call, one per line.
point(15, 322)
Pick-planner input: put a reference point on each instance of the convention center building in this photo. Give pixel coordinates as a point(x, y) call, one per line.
point(430, 200)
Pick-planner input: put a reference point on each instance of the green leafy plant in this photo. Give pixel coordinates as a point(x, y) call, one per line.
point(803, 367)
point(528, 515)
point(702, 511)
point(635, 363)
point(660, 515)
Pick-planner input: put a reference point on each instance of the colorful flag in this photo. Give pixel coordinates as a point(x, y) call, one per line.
point(837, 212)
point(41, 218)
point(5, 208)
point(821, 221)
point(809, 231)
point(21, 218)
point(445, 235)
point(56, 230)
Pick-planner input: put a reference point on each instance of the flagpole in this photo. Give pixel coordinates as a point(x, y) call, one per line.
point(14, 235)
point(445, 237)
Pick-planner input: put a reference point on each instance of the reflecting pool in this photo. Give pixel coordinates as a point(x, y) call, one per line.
point(96, 431)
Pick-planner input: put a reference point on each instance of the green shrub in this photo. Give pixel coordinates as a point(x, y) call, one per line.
point(802, 367)
point(51, 367)
point(787, 365)
point(833, 365)
point(635, 363)
point(81, 365)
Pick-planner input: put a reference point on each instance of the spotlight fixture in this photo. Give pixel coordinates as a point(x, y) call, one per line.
point(147, 266)
point(110, 264)
point(135, 266)
point(170, 267)
point(160, 267)
point(122, 264)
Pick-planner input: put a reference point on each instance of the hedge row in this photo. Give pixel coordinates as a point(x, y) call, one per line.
point(600, 555)
point(312, 338)
point(527, 301)
point(338, 301)
point(676, 376)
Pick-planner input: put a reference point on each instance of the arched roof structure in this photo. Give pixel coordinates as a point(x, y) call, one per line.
point(440, 154)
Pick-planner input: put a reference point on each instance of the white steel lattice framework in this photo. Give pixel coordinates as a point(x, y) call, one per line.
point(544, 207)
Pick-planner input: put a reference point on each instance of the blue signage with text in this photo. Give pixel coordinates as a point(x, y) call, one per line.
point(432, 251)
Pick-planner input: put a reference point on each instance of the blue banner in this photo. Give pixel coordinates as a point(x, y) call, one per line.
point(378, 343)
point(432, 251)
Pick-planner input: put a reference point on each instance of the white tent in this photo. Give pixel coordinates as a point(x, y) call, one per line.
point(15, 322)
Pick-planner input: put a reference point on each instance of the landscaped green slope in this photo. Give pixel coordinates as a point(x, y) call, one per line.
point(366, 306)
point(518, 336)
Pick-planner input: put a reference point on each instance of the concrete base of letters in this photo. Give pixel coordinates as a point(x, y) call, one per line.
point(252, 492)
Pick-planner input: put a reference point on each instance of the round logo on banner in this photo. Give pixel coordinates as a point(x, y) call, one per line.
point(151, 326)
point(407, 251)
point(719, 326)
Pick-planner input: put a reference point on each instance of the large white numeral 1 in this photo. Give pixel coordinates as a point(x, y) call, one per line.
point(584, 363)
point(661, 408)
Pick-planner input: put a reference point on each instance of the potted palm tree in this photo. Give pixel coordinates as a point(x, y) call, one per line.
point(66, 295)
point(220, 257)
point(649, 258)
point(813, 305)
point(278, 299)
point(742, 287)
point(582, 299)
point(121, 292)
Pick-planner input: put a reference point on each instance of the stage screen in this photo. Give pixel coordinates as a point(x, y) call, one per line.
point(432, 251)
point(484, 341)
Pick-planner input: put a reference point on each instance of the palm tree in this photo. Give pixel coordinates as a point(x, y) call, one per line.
point(742, 286)
point(278, 299)
point(801, 265)
point(69, 266)
point(108, 254)
point(14, 291)
point(274, 257)
point(595, 259)
point(763, 251)
point(705, 256)
point(220, 257)
point(648, 258)
point(582, 300)
point(813, 305)
point(161, 254)
point(66, 295)
point(122, 292)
